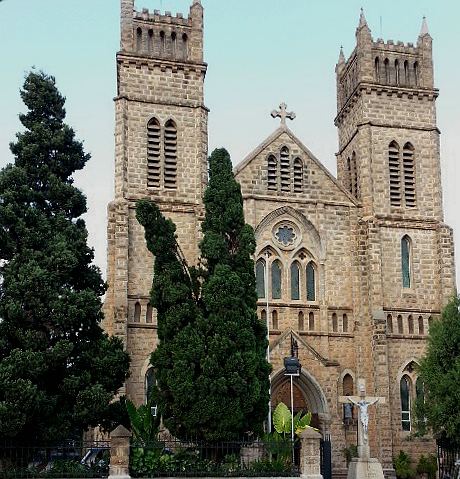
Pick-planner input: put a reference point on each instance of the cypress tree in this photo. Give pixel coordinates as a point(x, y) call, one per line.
point(210, 361)
point(58, 370)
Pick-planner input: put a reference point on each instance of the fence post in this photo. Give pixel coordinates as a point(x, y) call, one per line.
point(119, 453)
point(310, 454)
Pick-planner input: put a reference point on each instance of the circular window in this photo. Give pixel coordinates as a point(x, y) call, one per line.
point(286, 234)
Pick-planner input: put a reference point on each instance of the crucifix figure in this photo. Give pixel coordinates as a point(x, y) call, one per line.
point(363, 402)
point(283, 114)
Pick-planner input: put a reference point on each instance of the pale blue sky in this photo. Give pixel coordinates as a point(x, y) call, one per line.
point(260, 52)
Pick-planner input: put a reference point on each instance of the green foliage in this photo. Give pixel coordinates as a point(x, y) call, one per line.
point(350, 452)
point(210, 363)
point(402, 464)
point(439, 371)
point(428, 465)
point(143, 425)
point(282, 420)
point(58, 370)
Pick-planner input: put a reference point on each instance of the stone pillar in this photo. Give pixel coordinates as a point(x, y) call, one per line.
point(310, 455)
point(119, 453)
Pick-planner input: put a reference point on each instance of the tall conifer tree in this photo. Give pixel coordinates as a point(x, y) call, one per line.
point(210, 361)
point(58, 370)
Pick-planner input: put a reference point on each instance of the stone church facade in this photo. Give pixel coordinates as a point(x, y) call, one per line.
point(351, 270)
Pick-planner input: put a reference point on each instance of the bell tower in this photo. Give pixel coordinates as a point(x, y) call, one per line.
point(388, 138)
point(160, 153)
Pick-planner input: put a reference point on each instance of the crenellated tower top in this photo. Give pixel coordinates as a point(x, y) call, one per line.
point(403, 68)
point(162, 36)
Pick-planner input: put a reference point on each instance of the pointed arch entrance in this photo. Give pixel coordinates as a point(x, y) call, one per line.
point(308, 396)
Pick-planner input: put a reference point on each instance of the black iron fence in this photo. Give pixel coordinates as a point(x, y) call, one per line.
point(175, 458)
point(71, 459)
point(448, 460)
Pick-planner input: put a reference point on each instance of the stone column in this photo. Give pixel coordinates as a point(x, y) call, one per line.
point(119, 453)
point(310, 455)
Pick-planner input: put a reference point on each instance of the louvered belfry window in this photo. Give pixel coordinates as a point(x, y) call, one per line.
point(409, 175)
point(395, 174)
point(272, 173)
point(170, 150)
point(153, 153)
point(285, 165)
point(298, 175)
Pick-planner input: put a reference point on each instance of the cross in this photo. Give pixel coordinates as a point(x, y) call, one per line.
point(363, 402)
point(283, 114)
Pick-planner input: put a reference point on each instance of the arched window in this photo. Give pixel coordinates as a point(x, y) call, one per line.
point(377, 69)
point(410, 321)
point(406, 261)
point(275, 320)
point(311, 282)
point(405, 403)
point(149, 383)
point(298, 175)
point(397, 79)
point(272, 176)
point(335, 326)
point(311, 321)
point(174, 44)
point(139, 39)
point(260, 278)
point(400, 324)
point(430, 322)
point(150, 42)
point(149, 314)
point(184, 46)
point(170, 147)
point(295, 280)
point(137, 312)
point(285, 167)
point(162, 43)
point(386, 65)
point(409, 175)
point(347, 390)
point(390, 324)
point(301, 321)
point(153, 153)
point(395, 174)
point(276, 280)
point(416, 74)
point(421, 326)
point(263, 316)
point(345, 323)
point(406, 73)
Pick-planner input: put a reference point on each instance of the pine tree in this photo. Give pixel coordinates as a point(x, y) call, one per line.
point(210, 362)
point(58, 370)
point(440, 372)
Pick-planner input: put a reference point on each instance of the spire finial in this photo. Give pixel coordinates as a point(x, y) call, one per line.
point(283, 114)
point(341, 56)
point(362, 19)
point(424, 29)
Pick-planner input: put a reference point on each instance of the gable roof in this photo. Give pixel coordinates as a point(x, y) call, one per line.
point(273, 137)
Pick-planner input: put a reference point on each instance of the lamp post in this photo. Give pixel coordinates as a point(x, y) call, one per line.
point(292, 367)
point(269, 428)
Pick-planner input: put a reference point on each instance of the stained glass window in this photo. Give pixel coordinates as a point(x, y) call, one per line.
point(311, 286)
point(405, 261)
point(260, 278)
point(405, 403)
point(149, 383)
point(285, 235)
point(295, 276)
point(276, 280)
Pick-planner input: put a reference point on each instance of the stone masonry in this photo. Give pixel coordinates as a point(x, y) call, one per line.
point(351, 315)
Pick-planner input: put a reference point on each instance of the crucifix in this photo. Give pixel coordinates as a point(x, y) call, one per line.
point(283, 114)
point(363, 402)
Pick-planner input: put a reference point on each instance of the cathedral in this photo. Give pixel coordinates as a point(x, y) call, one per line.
point(350, 270)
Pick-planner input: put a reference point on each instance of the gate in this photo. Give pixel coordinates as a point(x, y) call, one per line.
point(326, 457)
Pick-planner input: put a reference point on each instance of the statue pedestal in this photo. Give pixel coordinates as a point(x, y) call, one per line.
point(365, 468)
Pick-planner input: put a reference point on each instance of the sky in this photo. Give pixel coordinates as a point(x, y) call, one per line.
point(260, 53)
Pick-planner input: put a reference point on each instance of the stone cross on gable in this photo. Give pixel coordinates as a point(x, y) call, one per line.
point(283, 114)
point(363, 402)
